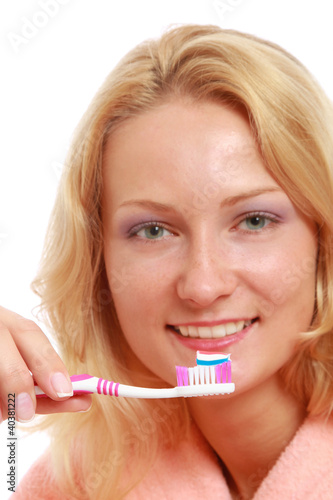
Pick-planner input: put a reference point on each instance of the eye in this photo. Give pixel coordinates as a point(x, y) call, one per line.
point(150, 231)
point(256, 221)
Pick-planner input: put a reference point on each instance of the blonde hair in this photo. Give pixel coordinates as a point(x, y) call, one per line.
point(291, 119)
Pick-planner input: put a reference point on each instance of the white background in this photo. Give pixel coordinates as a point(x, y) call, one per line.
point(51, 66)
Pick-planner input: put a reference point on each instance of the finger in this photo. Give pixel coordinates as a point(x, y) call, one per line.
point(40, 357)
point(25, 348)
point(73, 404)
point(15, 379)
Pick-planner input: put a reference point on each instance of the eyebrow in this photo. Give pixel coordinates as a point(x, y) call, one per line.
point(231, 200)
point(153, 205)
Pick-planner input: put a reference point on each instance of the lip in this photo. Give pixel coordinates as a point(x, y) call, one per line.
point(212, 345)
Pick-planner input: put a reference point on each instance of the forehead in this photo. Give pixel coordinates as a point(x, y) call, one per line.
point(182, 134)
point(178, 154)
point(170, 116)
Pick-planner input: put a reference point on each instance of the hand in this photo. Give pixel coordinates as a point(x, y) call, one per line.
point(26, 355)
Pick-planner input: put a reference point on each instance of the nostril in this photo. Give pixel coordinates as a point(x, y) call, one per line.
point(204, 290)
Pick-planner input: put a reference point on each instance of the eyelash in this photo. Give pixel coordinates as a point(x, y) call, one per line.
point(262, 215)
point(133, 232)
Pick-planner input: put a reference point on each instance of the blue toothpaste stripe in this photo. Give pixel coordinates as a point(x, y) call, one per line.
point(212, 362)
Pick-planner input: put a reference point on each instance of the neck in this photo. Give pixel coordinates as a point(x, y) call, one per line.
point(249, 431)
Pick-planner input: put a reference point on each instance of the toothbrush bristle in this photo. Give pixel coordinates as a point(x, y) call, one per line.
point(201, 374)
point(212, 368)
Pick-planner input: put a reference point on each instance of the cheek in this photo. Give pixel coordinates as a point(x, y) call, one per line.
point(142, 303)
point(139, 289)
point(286, 288)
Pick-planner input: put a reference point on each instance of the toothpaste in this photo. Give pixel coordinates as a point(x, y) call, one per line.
point(211, 358)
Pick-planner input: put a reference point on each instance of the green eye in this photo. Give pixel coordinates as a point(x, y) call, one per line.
point(256, 222)
point(153, 232)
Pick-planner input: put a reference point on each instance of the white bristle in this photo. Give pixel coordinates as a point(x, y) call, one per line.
point(196, 375)
point(191, 376)
point(202, 374)
point(199, 375)
point(207, 374)
point(212, 374)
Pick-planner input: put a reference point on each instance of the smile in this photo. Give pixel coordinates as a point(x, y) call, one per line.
point(213, 332)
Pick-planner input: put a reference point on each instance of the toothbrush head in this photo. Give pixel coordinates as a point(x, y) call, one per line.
point(212, 368)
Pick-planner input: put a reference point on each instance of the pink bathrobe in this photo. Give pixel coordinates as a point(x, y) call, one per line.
point(304, 471)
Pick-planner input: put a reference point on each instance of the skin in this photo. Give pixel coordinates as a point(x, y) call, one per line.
point(17, 336)
point(211, 263)
point(193, 171)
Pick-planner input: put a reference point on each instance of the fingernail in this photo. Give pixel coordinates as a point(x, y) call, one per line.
point(84, 411)
point(25, 410)
point(61, 385)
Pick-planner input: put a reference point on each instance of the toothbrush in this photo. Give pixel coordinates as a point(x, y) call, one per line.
point(211, 376)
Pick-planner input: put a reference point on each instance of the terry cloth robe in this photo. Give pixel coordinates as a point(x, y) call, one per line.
point(304, 471)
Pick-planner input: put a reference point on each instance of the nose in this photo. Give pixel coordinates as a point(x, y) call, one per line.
point(207, 274)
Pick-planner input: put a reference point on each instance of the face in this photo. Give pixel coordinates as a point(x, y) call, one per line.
point(203, 249)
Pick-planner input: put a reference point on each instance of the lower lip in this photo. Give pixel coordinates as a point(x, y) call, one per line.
point(213, 345)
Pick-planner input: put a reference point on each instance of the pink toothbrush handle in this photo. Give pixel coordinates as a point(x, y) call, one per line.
point(82, 384)
point(87, 384)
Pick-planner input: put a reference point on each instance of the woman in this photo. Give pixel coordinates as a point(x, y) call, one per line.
point(194, 212)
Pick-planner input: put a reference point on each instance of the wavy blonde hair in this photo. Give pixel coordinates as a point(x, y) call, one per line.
point(291, 119)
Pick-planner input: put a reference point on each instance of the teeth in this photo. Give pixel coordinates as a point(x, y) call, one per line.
point(214, 332)
point(218, 331)
point(191, 331)
point(205, 332)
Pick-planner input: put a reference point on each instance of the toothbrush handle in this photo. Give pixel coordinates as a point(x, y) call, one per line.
point(186, 391)
point(82, 384)
point(87, 384)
